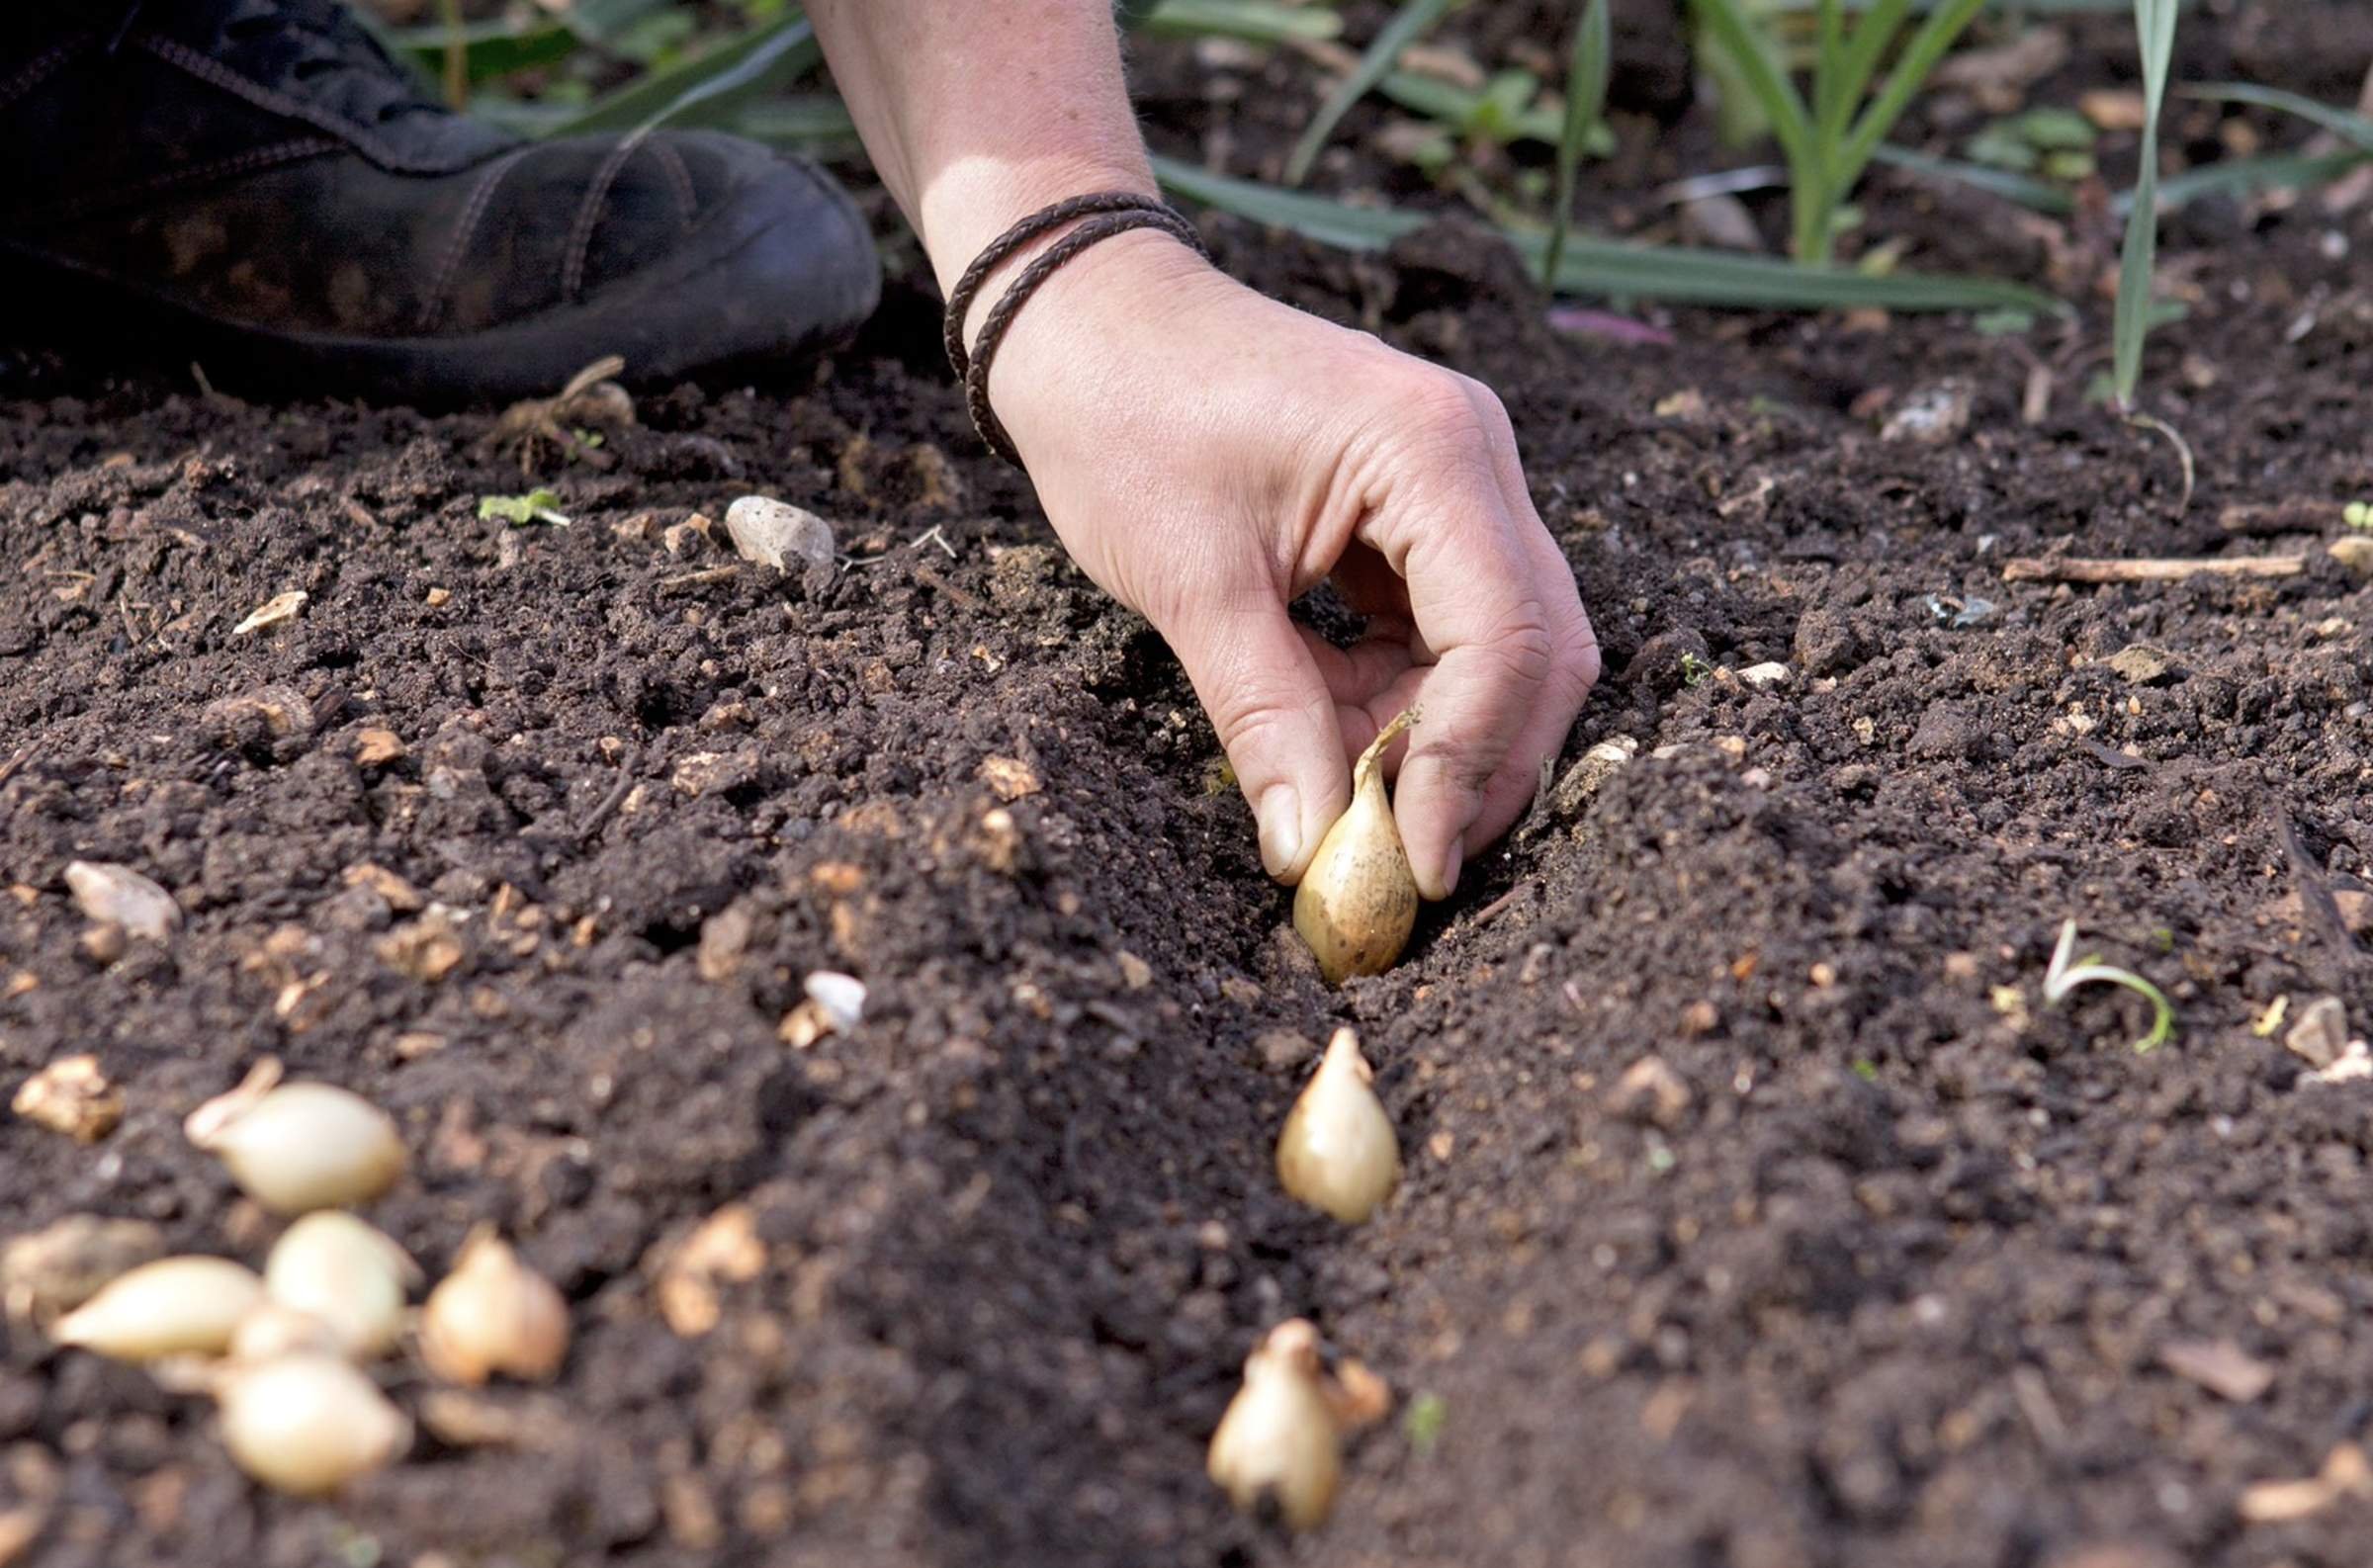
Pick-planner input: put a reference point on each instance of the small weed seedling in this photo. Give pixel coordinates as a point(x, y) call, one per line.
point(2062, 977)
point(536, 506)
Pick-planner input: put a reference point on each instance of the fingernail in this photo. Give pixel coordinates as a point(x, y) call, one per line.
point(1281, 816)
point(1450, 862)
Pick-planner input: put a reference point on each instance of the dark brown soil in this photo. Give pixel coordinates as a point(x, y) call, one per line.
point(1900, 1282)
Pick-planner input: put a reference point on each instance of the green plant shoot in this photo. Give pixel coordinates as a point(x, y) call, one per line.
point(2062, 977)
point(536, 506)
point(1586, 76)
point(2155, 25)
point(1826, 143)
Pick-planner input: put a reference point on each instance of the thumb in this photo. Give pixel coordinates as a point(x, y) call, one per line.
point(1256, 679)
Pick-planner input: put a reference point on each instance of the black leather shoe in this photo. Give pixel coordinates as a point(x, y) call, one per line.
point(256, 181)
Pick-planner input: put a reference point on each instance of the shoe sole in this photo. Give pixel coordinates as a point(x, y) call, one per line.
point(776, 292)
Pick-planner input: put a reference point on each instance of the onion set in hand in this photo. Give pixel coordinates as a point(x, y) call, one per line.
point(1358, 902)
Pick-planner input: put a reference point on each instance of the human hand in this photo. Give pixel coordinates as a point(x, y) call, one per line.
point(1208, 455)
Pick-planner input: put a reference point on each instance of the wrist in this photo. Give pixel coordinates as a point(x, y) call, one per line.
point(1090, 325)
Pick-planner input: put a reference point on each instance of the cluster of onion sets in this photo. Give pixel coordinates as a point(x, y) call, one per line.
point(1279, 1446)
point(285, 1354)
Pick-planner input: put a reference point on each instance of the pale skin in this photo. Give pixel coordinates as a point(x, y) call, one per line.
point(1208, 455)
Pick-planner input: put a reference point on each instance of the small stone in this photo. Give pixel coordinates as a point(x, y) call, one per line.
point(842, 996)
point(724, 938)
point(1931, 415)
point(397, 893)
point(1764, 676)
point(426, 949)
point(777, 533)
point(438, 596)
point(1009, 778)
point(1135, 973)
point(377, 748)
point(278, 608)
point(1282, 1050)
point(108, 892)
point(2322, 1033)
point(1650, 1090)
point(1587, 776)
point(1000, 840)
point(269, 712)
point(73, 1097)
point(2141, 663)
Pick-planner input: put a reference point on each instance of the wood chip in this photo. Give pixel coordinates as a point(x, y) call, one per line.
point(377, 748)
point(2220, 1366)
point(73, 1097)
point(2077, 568)
point(2345, 1473)
point(278, 608)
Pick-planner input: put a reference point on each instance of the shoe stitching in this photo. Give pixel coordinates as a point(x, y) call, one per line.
point(231, 81)
point(44, 65)
point(482, 196)
point(588, 213)
point(248, 162)
point(680, 177)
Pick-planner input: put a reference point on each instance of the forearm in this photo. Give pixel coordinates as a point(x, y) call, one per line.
point(980, 111)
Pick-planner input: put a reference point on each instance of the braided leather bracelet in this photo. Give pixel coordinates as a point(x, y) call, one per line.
point(1109, 213)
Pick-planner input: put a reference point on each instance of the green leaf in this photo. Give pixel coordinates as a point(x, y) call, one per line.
point(536, 506)
point(2352, 127)
point(1878, 117)
point(1423, 1421)
point(1611, 268)
point(1414, 20)
point(1728, 24)
point(2155, 25)
point(714, 82)
point(491, 49)
point(1586, 76)
point(2040, 194)
point(1254, 21)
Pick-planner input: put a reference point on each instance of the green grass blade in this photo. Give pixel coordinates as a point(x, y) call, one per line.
point(1828, 62)
point(490, 49)
point(1608, 267)
point(1413, 21)
point(715, 83)
point(2350, 127)
point(1254, 21)
point(1586, 76)
point(2040, 194)
point(1872, 34)
point(599, 20)
point(1773, 92)
point(1878, 117)
point(2155, 25)
point(2297, 171)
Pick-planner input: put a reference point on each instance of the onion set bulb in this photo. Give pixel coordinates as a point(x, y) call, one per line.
point(353, 1278)
point(299, 1147)
point(493, 1314)
point(1358, 902)
point(1338, 1152)
point(175, 1306)
point(1278, 1443)
point(307, 1424)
